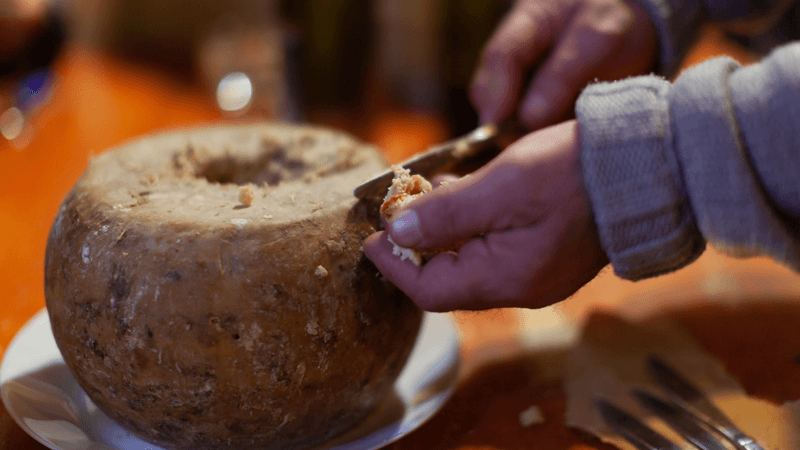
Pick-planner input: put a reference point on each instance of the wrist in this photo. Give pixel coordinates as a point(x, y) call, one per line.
point(631, 174)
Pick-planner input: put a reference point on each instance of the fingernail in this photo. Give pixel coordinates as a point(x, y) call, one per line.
point(536, 107)
point(405, 229)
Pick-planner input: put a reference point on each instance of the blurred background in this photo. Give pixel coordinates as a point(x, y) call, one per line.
point(354, 64)
point(80, 76)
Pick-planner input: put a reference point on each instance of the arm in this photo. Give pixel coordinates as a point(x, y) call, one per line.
point(676, 22)
point(572, 42)
point(711, 158)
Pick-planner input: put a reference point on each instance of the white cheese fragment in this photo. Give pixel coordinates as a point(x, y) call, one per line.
point(531, 416)
point(321, 272)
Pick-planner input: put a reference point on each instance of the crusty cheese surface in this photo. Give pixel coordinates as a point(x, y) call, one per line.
point(199, 316)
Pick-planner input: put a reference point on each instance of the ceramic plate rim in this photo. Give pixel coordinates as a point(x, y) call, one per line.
point(424, 385)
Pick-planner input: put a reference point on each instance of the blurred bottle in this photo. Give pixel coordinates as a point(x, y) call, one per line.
point(333, 41)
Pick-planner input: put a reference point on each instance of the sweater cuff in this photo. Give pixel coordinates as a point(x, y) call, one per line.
point(633, 178)
point(676, 23)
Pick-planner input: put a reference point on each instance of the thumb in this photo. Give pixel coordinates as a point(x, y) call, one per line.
point(459, 210)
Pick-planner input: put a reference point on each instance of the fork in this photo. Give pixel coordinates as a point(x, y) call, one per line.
point(696, 404)
point(680, 420)
point(687, 411)
point(645, 438)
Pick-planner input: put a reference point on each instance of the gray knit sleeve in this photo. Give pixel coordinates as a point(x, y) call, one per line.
point(713, 157)
point(676, 22)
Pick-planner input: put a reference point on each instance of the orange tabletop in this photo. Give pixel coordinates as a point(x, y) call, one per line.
point(744, 312)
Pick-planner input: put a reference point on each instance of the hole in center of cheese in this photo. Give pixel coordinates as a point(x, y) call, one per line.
point(271, 168)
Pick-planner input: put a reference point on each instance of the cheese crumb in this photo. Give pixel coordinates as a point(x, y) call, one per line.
point(531, 416)
point(405, 188)
point(405, 253)
point(321, 272)
point(246, 195)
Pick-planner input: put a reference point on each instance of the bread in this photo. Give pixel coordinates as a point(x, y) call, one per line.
point(208, 290)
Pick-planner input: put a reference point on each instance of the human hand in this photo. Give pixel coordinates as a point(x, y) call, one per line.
point(531, 237)
point(572, 42)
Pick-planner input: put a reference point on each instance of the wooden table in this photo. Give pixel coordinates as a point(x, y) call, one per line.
point(744, 312)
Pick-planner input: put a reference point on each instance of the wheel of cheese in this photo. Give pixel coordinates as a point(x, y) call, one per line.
point(208, 289)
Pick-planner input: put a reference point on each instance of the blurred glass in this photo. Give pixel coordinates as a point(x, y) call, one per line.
point(31, 35)
point(242, 59)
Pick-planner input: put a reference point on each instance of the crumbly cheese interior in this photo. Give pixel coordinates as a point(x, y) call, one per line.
point(405, 188)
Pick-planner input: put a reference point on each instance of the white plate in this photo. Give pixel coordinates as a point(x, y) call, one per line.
point(46, 401)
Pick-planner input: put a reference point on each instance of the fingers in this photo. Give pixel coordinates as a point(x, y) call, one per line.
point(576, 43)
point(531, 241)
point(531, 267)
point(436, 181)
point(487, 200)
point(592, 38)
point(523, 37)
point(516, 189)
point(483, 275)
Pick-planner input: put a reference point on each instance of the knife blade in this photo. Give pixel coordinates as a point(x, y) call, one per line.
point(683, 391)
point(680, 420)
point(634, 431)
point(442, 156)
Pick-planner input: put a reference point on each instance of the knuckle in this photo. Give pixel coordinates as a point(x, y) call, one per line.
point(611, 19)
point(563, 74)
point(546, 16)
point(523, 26)
point(493, 55)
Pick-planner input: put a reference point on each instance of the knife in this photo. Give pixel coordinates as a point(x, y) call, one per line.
point(680, 420)
point(443, 156)
point(634, 431)
point(683, 391)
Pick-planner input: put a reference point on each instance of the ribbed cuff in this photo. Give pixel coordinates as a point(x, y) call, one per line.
point(633, 178)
